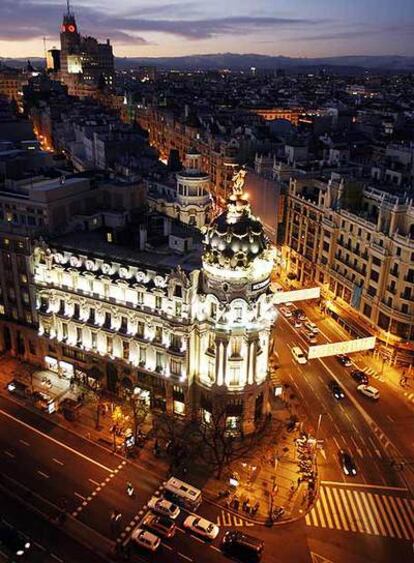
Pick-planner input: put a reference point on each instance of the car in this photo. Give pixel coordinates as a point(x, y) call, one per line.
point(336, 390)
point(369, 391)
point(347, 463)
point(162, 525)
point(145, 539)
point(19, 388)
point(242, 546)
point(311, 327)
point(289, 304)
point(344, 360)
point(164, 507)
point(202, 527)
point(300, 314)
point(296, 322)
point(360, 376)
point(299, 356)
point(286, 312)
point(309, 336)
point(13, 541)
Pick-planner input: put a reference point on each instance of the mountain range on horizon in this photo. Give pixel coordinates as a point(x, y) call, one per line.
point(234, 61)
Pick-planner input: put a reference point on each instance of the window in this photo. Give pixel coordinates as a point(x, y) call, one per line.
point(178, 291)
point(178, 309)
point(211, 370)
point(372, 291)
point(142, 355)
point(234, 378)
point(398, 250)
point(94, 340)
point(404, 308)
point(159, 361)
point(109, 345)
point(64, 330)
point(325, 246)
point(78, 336)
point(92, 315)
point(125, 350)
point(238, 313)
point(213, 310)
point(140, 297)
point(175, 367)
point(140, 329)
point(176, 342)
point(236, 346)
point(158, 302)
point(374, 275)
point(107, 322)
point(158, 334)
point(124, 325)
point(76, 311)
point(179, 408)
point(376, 261)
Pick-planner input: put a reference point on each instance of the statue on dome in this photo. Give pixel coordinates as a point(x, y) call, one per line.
point(238, 181)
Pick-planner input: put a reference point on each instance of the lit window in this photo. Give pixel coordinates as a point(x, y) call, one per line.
point(158, 302)
point(234, 375)
point(179, 408)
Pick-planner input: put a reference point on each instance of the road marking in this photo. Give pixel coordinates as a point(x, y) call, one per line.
point(336, 442)
point(184, 556)
point(57, 461)
point(196, 538)
point(364, 486)
point(24, 443)
point(9, 454)
point(43, 474)
point(93, 482)
point(56, 557)
point(167, 546)
point(39, 546)
point(61, 444)
point(79, 496)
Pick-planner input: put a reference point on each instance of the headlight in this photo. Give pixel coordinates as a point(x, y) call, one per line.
point(20, 552)
point(354, 472)
point(346, 471)
point(27, 545)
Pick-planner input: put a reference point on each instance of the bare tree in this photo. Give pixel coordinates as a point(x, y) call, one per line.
point(139, 410)
point(223, 445)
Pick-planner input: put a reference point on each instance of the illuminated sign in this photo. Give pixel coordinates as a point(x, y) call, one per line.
point(296, 295)
point(346, 347)
point(261, 284)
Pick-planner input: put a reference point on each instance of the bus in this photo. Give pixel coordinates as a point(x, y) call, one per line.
point(182, 493)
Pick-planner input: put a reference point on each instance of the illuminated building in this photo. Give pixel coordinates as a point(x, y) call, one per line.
point(83, 59)
point(190, 339)
point(188, 198)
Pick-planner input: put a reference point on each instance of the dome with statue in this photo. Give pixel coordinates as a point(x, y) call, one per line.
point(235, 238)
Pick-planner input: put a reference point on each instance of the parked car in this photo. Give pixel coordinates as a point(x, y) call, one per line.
point(13, 541)
point(242, 546)
point(296, 322)
point(336, 390)
point(202, 527)
point(300, 314)
point(286, 312)
point(164, 507)
point(310, 336)
point(369, 391)
point(360, 376)
point(145, 539)
point(298, 355)
point(19, 388)
point(344, 360)
point(161, 525)
point(311, 327)
point(347, 463)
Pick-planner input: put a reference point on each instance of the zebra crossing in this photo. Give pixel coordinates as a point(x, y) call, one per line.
point(229, 520)
point(372, 373)
point(363, 512)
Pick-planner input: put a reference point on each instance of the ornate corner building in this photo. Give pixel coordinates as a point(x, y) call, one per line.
point(191, 339)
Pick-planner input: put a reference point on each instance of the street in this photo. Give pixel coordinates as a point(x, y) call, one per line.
point(55, 470)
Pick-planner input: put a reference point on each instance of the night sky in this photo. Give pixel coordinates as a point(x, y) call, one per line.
point(275, 27)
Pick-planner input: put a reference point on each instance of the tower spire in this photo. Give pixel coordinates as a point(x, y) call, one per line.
point(68, 6)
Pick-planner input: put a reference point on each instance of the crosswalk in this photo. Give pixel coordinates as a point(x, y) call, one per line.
point(229, 520)
point(373, 373)
point(363, 512)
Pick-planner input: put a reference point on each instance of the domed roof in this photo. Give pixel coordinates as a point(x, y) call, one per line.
point(234, 238)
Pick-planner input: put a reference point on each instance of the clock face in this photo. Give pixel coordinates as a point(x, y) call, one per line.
point(69, 28)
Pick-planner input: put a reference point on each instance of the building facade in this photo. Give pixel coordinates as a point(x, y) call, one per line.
point(186, 199)
point(191, 341)
point(363, 256)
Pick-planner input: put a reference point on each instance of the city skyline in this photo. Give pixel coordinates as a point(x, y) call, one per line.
point(295, 28)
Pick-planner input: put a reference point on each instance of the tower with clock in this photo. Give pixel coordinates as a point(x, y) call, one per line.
point(69, 38)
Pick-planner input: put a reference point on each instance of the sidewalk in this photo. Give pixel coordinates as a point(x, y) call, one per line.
point(268, 479)
point(85, 423)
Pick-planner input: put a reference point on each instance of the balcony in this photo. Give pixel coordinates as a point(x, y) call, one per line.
point(378, 248)
point(392, 290)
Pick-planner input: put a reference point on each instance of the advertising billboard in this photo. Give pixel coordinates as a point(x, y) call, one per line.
point(345, 347)
point(296, 295)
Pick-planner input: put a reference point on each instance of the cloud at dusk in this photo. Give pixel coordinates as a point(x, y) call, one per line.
point(291, 28)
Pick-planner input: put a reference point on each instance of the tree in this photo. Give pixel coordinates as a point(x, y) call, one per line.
point(139, 411)
point(222, 445)
point(180, 436)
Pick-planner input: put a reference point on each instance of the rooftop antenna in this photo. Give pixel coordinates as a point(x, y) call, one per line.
point(44, 49)
point(68, 6)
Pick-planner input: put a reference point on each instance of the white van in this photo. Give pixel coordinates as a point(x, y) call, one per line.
point(369, 391)
point(183, 493)
point(299, 355)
